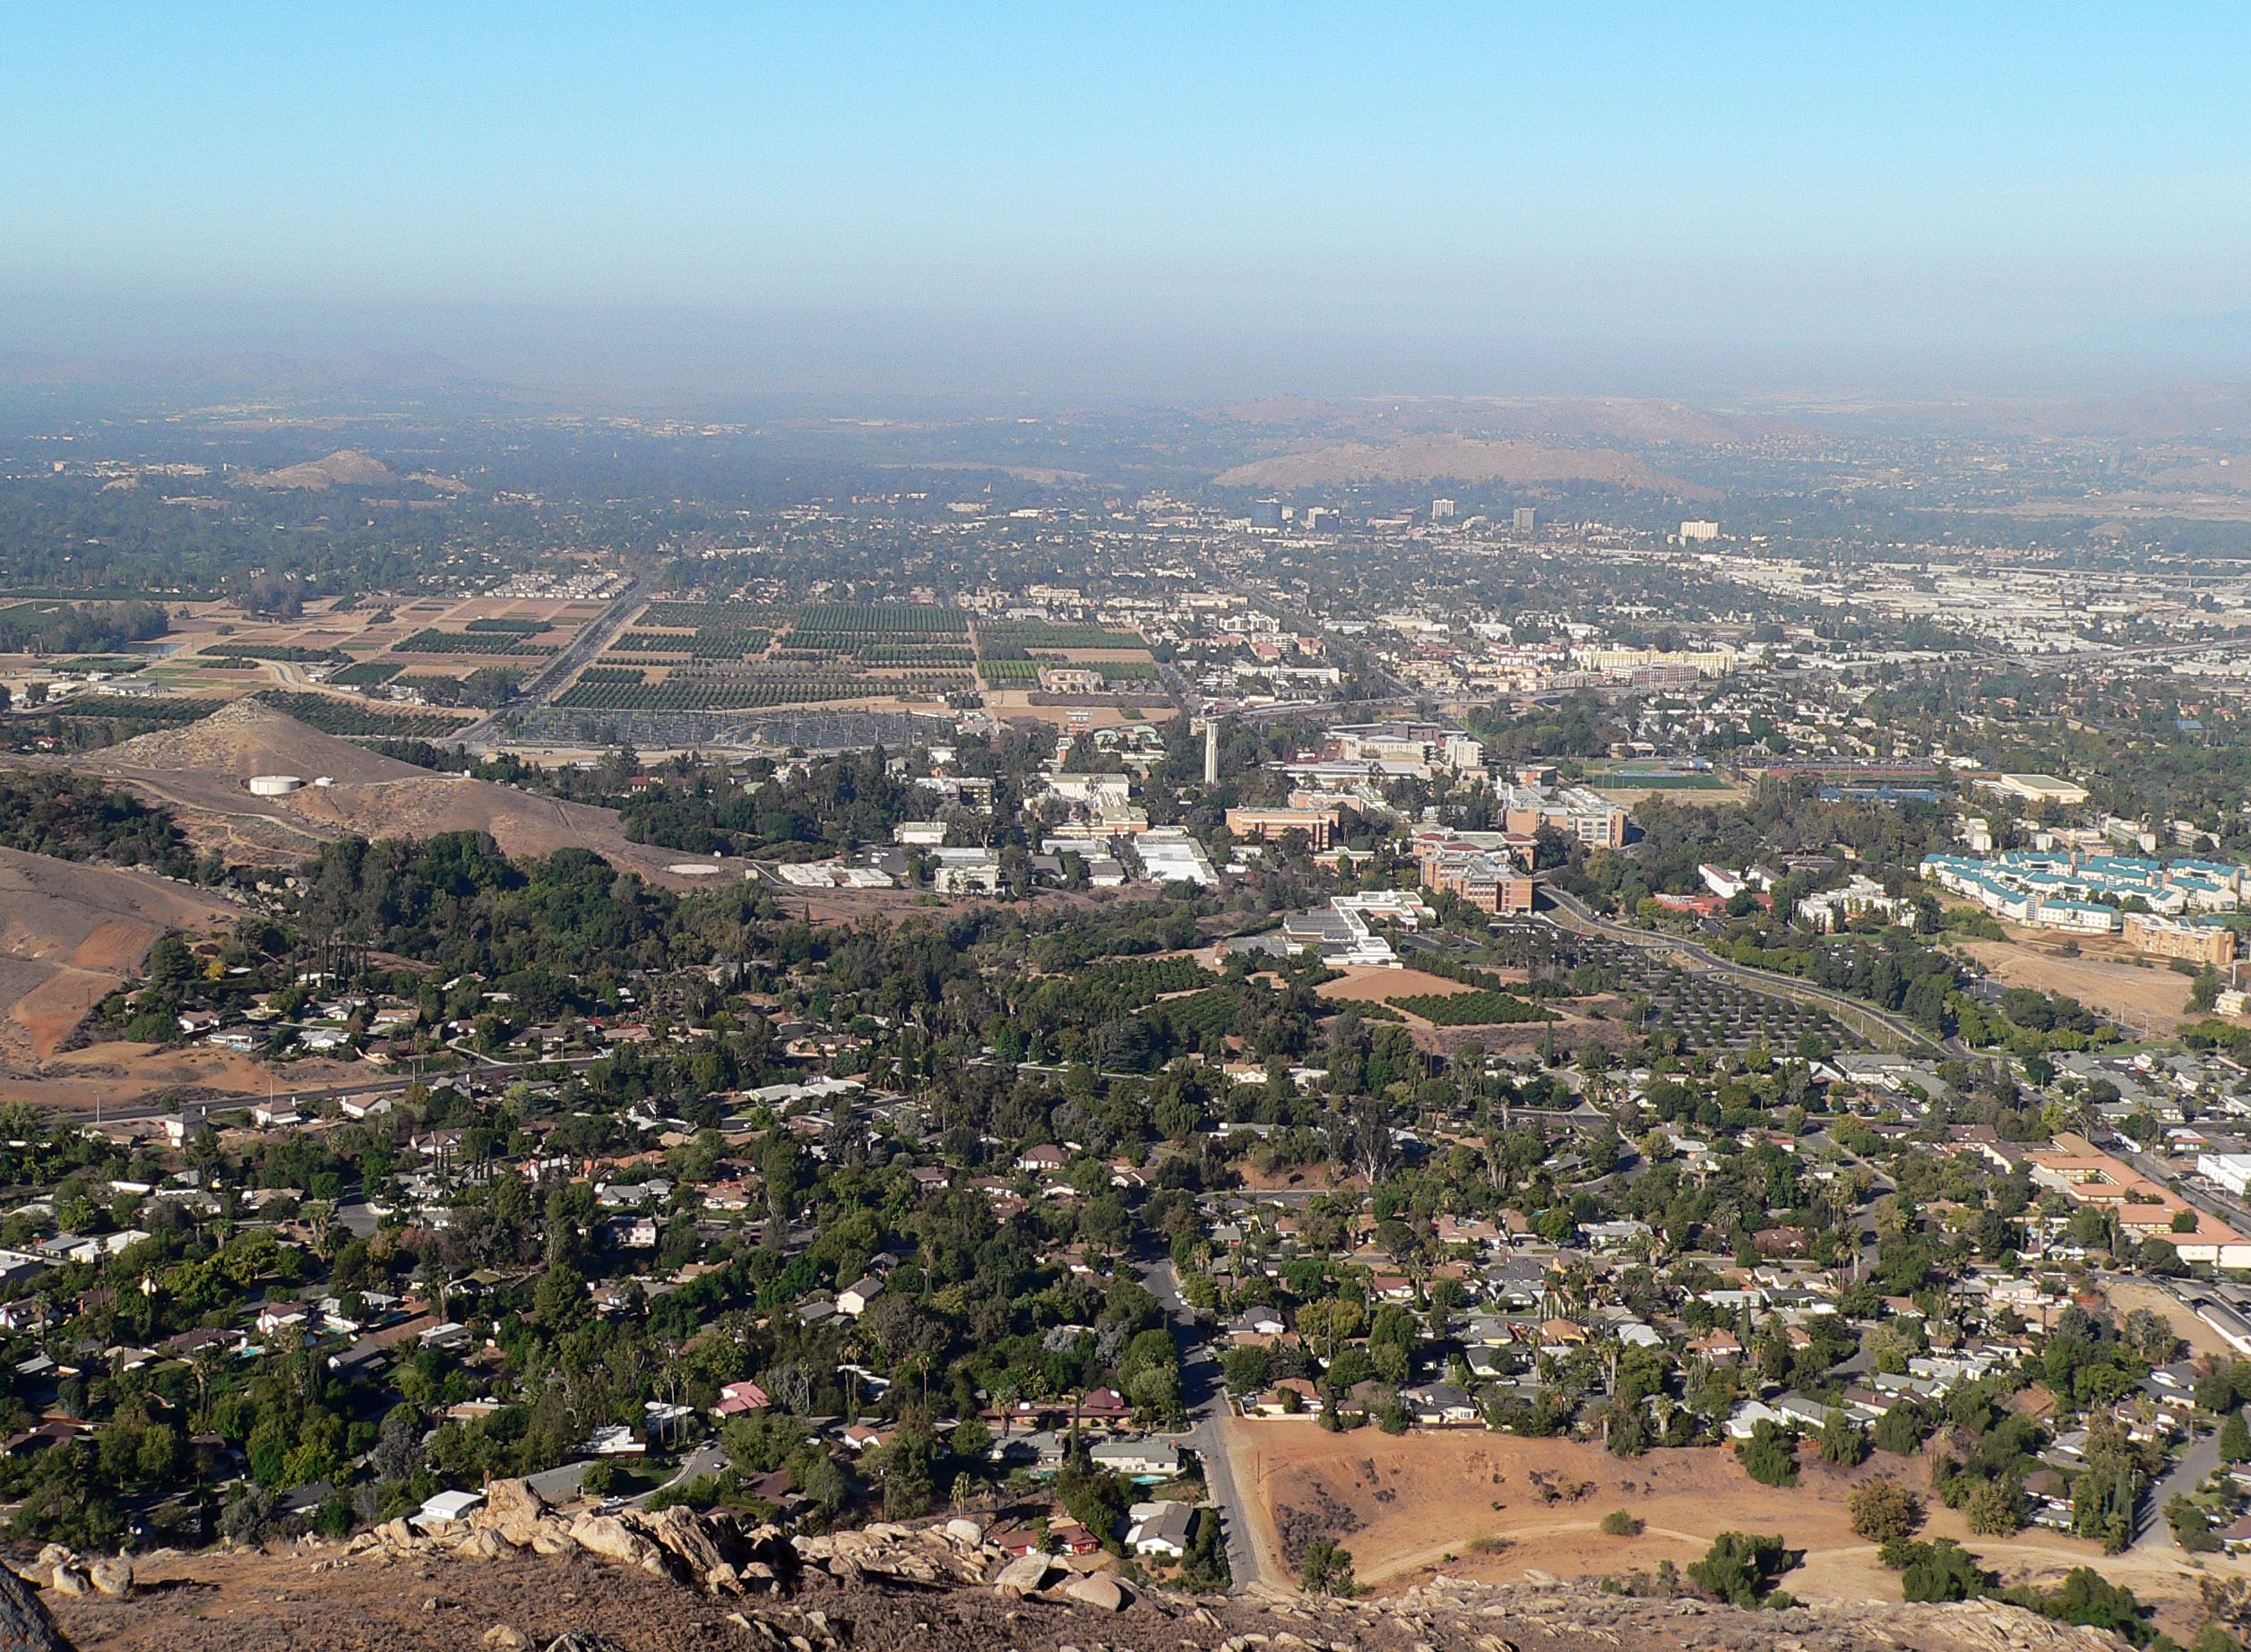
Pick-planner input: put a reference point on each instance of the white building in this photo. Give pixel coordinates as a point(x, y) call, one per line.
point(1833, 908)
point(2231, 1171)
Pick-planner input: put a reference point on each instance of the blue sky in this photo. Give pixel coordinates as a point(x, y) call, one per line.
point(1787, 183)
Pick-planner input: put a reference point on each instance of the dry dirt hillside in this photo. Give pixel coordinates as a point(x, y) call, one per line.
point(69, 934)
point(200, 772)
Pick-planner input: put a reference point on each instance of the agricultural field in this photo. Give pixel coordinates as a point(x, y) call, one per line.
point(875, 620)
point(471, 643)
point(334, 716)
point(706, 643)
point(606, 688)
point(1011, 639)
point(1475, 1008)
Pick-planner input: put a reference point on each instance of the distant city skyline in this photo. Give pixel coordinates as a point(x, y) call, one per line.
point(1141, 201)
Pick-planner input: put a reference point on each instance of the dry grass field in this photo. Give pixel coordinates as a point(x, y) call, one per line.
point(1470, 1504)
point(2105, 983)
point(110, 1076)
point(1362, 985)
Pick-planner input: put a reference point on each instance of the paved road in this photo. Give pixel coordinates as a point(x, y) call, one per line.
point(1206, 1397)
point(2201, 1457)
point(706, 1460)
point(1764, 980)
point(590, 643)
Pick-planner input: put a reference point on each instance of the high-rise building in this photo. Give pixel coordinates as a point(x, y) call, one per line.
point(1527, 519)
point(1210, 753)
point(1266, 514)
point(1318, 517)
point(1442, 510)
point(1692, 531)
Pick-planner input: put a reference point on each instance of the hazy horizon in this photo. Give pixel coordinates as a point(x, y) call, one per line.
point(1159, 202)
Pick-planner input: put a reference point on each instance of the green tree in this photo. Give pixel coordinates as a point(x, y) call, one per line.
point(1943, 1571)
point(1844, 1441)
point(2203, 993)
point(1901, 1430)
point(1994, 1508)
point(1770, 1456)
point(1327, 1569)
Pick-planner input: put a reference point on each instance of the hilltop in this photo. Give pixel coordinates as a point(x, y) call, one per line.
point(199, 773)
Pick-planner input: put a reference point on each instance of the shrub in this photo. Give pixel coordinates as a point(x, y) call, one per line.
point(1844, 1441)
point(1617, 1523)
point(1884, 1509)
point(1740, 1567)
point(1901, 1430)
point(2086, 1597)
point(1996, 1508)
point(1943, 1571)
point(1327, 1569)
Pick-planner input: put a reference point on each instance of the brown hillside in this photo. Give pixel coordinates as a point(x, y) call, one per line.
point(317, 1598)
point(248, 737)
point(1461, 459)
point(318, 475)
point(69, 934)
point(199, 773)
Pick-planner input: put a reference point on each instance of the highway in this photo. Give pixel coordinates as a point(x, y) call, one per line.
point(485, 736)
point(1701, 956)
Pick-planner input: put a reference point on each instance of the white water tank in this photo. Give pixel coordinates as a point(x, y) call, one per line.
point(273, 785)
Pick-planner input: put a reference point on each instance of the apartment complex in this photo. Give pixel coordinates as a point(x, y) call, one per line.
point(2199, 941)
point(2086, 1175)
point(2074, 891)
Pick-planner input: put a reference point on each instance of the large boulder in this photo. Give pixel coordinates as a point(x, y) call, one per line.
point(1098, 1589)
point(607, 1535)
point(512, 1511)
point(682, 1536)
point(24, 1623)
point(1027, 1574)
point(113, 1575)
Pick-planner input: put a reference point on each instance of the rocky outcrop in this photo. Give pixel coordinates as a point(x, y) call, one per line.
point(24, 1623)
point(935, 1557)
point(714, 1552)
